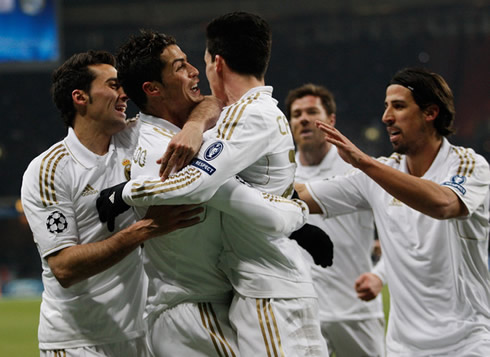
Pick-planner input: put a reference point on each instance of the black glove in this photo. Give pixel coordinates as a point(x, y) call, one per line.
point(316, 242)
point(110, 205)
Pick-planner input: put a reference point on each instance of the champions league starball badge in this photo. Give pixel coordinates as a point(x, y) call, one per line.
point(213, 151)
point(56, 222)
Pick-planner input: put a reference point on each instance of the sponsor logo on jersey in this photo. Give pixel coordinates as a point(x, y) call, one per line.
point(457, 182)
point(56, 222)
point(89, 190)
point(204, 166)
point(213, 150)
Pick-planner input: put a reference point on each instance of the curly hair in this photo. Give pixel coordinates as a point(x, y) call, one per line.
point(139, 60)
point(75, 74)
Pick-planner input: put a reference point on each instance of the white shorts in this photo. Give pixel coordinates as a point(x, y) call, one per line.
point(355, 338)
point(192, 330)
point(277, 327)
point(131, 348)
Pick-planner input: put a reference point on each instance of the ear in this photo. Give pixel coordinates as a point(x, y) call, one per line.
point(79, 97)
point(151, 89)
point(219, 63)
point(431, 112)
point(332, 118)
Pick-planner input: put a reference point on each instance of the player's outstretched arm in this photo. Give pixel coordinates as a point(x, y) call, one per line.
point(305, 195)
point(422, 195)
point(268, 213)
point(79, 262)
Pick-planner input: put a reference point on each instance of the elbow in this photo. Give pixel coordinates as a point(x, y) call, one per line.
point(447, 210)
point(63, 277)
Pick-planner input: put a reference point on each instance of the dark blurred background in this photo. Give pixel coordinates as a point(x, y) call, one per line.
point(353, 47)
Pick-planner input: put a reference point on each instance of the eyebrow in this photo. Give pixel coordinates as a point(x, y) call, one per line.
point(178, 60)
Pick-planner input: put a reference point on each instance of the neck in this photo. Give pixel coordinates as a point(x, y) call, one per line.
point(236, 85)
point(419, 162)
point(92, 135)
point(313, 156)
point(160, 109)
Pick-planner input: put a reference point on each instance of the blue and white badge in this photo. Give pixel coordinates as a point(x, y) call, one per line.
point(213, 150)
point(457, 182)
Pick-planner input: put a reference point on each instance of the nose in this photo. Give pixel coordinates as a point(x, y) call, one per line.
point(304, 119)
point(122, 94)
point(387, 117)
point(193, 72)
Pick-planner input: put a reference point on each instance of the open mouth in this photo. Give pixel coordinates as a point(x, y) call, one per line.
point(195, 88)
point(121, 108)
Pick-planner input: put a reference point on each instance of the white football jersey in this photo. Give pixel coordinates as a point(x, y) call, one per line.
point(59, 191)
point(353, 237)
point(436, 269)
point(252, 139)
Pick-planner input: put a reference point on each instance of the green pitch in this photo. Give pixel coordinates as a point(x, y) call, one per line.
point(18, 327)
point(19, 319)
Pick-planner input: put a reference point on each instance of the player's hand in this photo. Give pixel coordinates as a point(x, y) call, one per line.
point(181, 149)
point(368, 286)
point(316, 242)
point(346, 149)
point(167, 219)
point(110, 204)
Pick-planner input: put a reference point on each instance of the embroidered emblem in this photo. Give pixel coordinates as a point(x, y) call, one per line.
point(56, 222)
point(457, 182)
point(213, 151)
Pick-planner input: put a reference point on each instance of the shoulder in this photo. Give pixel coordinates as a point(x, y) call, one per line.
point(467, 157)
point(53, 158)
point(394, 160)
point(47, 170)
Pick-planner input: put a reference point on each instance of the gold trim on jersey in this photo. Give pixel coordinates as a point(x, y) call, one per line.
point(47, 172)
point(289, 191)
point(175, 182)
point(397, 157)
point(212, 325)
point(230, 122)
point(275, 198)
point(268, 326)
point(467, 161)
point(164, 132)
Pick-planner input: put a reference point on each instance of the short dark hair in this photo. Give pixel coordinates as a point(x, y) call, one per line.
point(139, 61)
point(326, 97)
point(243, 40)
point(429, 88)
point(75, 74)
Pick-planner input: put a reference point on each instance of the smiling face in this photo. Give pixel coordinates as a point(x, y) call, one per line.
point(304, 112)
point(180, 81)
point(405, 122)
point(106, 98)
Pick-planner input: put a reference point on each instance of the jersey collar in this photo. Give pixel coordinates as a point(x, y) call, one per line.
point(159, 122)
point(267, 90)
point(82, 155)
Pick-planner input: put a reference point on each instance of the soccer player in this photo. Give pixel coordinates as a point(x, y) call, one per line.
point(94, 286)
point(430, 203)
point(274, 306)
point(351, 326)
point(189, 296)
